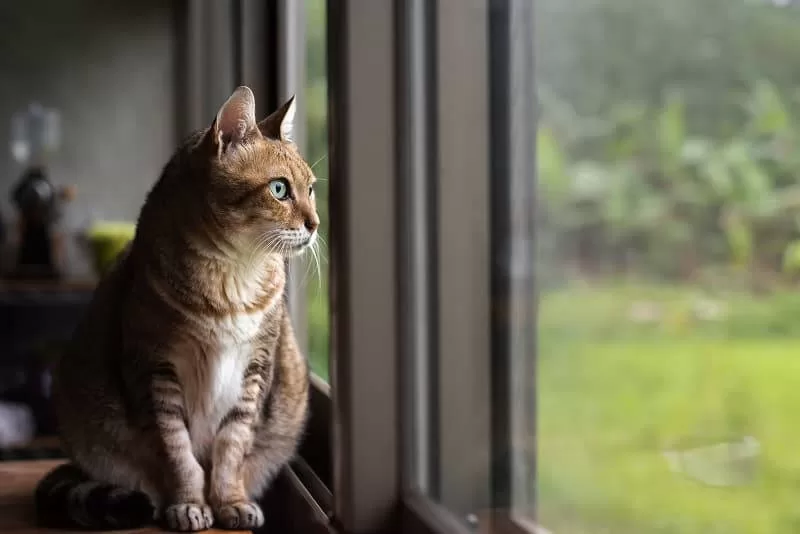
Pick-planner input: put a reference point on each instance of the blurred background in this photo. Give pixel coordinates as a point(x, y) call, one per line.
point(669, 255)
point(87, 119)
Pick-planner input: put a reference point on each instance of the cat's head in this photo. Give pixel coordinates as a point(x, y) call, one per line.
point(260, 190)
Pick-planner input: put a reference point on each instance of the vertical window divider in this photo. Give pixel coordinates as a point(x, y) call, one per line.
point(364, 263)
point(212, 60)
point(499, 169)
point(462, 349)
point(416, 194)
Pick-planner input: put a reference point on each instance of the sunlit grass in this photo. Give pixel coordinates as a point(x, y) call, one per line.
point(615, 394)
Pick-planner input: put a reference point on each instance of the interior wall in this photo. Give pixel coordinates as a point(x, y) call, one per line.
point(110, 68)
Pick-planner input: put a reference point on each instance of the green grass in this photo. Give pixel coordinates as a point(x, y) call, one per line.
point(613, 395)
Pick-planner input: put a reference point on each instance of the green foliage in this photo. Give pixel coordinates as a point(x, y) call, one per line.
point(668, 136)
point(594, 55)
point(647, 195)
point(791, 258)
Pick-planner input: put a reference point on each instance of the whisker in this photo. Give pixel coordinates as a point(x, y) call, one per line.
point(315, 251)
point(322, 246)
point(253, 251)
point(264, 243)
point(325, 155)
point(308, 271)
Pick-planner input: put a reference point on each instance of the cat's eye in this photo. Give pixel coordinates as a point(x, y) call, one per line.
point(279, 187)
point(311, 190)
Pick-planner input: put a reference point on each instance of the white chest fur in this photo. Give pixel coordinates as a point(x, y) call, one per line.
point(212, 381)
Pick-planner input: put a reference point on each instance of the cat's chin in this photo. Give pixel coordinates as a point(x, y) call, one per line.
point(294, 253)
point(298, 250)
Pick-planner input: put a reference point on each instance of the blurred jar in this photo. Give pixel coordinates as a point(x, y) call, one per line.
point(35, 135)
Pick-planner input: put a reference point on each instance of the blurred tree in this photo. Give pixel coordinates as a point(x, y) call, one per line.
point(667, 134)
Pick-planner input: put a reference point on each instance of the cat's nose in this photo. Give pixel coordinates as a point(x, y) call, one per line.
point(311, 224)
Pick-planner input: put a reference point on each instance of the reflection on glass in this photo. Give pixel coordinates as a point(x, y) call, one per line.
point(316, 92)
point(668, 254)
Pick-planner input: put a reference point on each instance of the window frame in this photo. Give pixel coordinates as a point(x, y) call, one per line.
point(514, 341)
point(363, 265)
point(462, 140)
point(372, 355)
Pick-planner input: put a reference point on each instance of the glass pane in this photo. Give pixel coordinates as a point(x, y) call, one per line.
point(316, 92)
point(668, 261)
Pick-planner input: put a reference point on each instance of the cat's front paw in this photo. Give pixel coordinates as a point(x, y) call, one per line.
point(188, 517)
point(239, 515)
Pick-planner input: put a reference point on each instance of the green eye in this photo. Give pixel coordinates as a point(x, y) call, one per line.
point(279, 188)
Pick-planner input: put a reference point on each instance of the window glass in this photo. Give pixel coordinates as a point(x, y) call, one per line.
point(668, 260)
point(316, 93)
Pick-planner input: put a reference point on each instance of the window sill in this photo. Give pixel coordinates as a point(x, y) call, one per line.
point(423, 515)
point(289, 505)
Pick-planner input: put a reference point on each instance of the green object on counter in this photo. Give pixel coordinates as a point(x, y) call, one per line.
point(107, 240)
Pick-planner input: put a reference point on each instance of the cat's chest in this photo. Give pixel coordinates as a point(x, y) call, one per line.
point(213, 386)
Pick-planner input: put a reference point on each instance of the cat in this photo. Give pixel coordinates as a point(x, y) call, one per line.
point(183, 392)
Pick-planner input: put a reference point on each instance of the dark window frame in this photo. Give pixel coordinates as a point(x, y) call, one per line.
point(463, 98)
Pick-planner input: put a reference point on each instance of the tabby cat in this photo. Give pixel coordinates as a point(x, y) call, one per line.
point(183, 392)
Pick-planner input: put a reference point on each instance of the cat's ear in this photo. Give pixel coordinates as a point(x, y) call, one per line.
point(235, 118)
point(280, 125)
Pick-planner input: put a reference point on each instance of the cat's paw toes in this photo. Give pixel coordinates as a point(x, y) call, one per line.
point(240, 515)
point(188, 517)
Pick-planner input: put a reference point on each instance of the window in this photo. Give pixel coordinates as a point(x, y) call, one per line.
point(667, 265)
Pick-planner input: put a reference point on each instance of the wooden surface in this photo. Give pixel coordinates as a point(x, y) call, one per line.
point(48, 286)
point(17, 483)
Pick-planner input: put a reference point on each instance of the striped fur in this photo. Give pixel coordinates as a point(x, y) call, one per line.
point(184, 387)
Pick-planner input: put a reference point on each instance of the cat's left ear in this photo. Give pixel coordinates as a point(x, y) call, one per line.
point(280, 125)
point(235, 118)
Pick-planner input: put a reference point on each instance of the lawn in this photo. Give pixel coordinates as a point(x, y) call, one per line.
point(615, 393)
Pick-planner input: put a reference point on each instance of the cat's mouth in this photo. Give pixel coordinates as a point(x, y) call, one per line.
point(286, 242)
point(297, 244)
